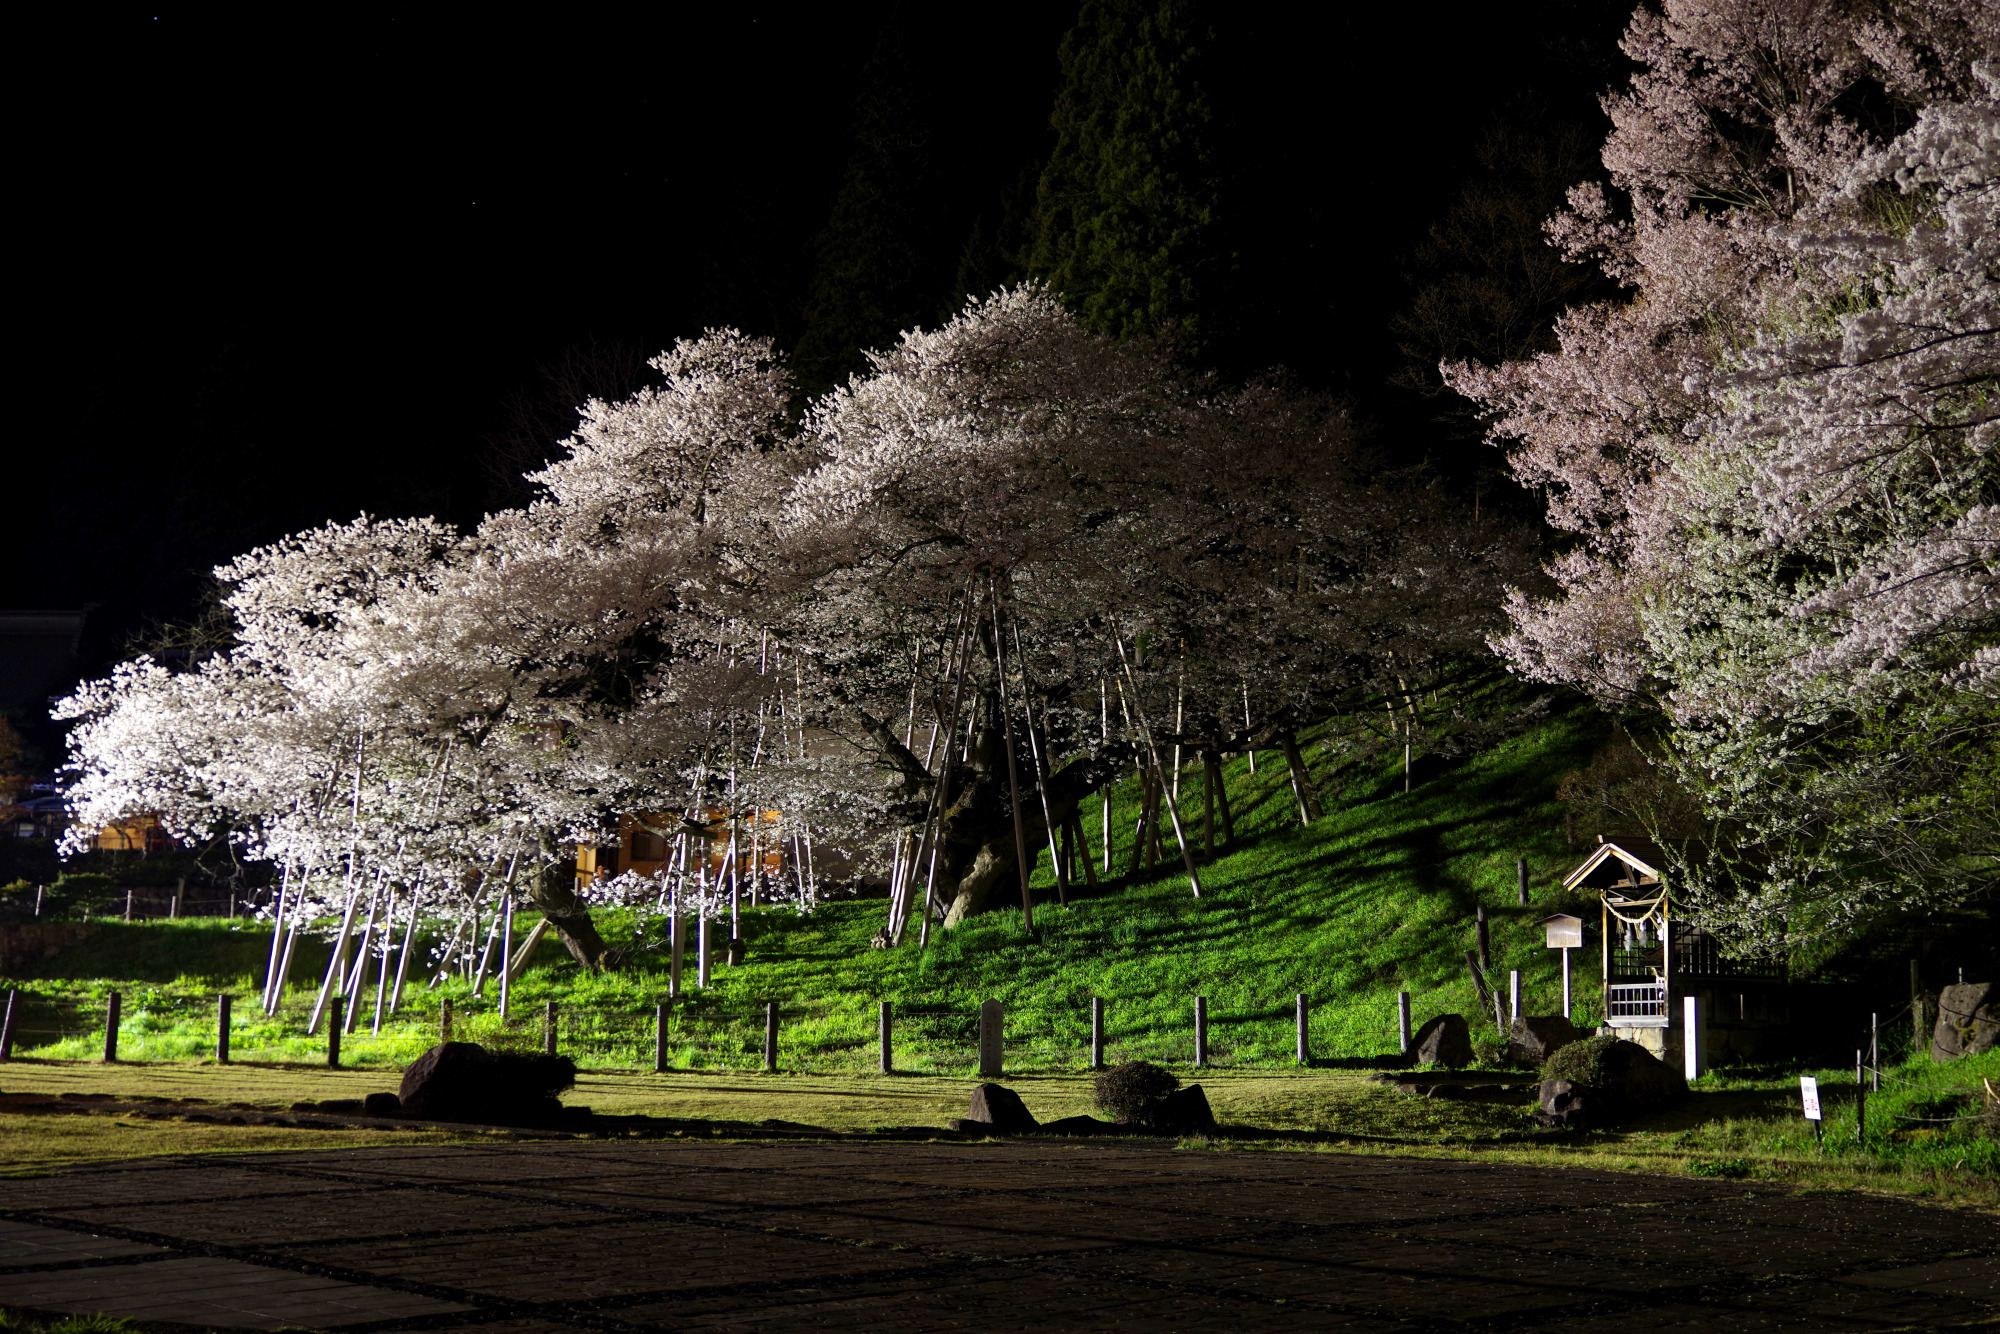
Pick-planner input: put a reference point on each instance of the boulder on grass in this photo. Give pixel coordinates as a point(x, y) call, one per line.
point(1078, 1125)
point(462, 1081)
point(1536, 1037)
point(1001, 1108)
point(1444, 1041)
point(1968, 1021)
point(382, 1104)
point(1185, 1111)
point(1603, 1080)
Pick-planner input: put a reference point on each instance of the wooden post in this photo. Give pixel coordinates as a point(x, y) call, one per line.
point(661, 1014)
point(1200, 1031)
point(549, 1028)
point(128, 905)
point(111, 1007)
point(1918, 1032)
point(771, 1035)
point(1694, 1037)
point(1513, 994)
point(1305, 1051)
point(1860, 1096)
point(1875, 1053)
point(1521, 878)
point(7, 1027)
point(1097, 1032)
point(701, 951)
point(888, 1023)
point(1483, 937)
point(222, 1029)
point(1403, 1022)
point(336, 1012)
point(506, 959)
point(1565, 954)
point(174, 909)
point(444, 1021)
point(992, 1044)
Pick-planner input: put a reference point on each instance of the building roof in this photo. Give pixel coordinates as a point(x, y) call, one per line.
point(1644, 863)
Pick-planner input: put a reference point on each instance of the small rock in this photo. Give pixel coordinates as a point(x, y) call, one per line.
point(1968, 1021)
point(1443, 1041)
point(1078, 1125)
point(382, 1104)
point(1536, 1037)
point(1560, 1103)
point(1002, 1108)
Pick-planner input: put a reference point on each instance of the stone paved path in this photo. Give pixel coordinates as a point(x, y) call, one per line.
point(887, 1238)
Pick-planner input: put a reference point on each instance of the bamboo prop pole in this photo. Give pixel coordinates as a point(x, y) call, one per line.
point(506, 906)
point(277, 930)
point(1041, 771)
point(336, 966)
point(1180, 703)
point(1146, 734)
point(359, 975)
point(285, 966)
point(933, 829)
point(1104, 734)
point(1083, 847)
point(506, 954)
point(382, 973)
point(486, 956)
point(403, 955)
point(1247, 726)
point(1149, 811)
point(1013, 772)
point(519, 963)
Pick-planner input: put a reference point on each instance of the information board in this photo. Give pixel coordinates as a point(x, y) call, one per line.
point(1809, 1095)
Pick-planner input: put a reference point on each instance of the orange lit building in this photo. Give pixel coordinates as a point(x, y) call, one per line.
point(646, 845)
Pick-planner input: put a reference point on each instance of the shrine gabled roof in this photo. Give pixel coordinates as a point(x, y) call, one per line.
point(1606, 852)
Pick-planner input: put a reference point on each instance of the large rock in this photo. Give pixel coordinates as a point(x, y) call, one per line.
point(1001, 1108)
point(1536, 1037)
point(1602, 1080)
point(1079, 1125)
point(1968, 1021)
point(462, 1081)
point(1185, 1111)
point(1444, 1041)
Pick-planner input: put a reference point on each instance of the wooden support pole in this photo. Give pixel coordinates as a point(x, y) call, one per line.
point(222, 1029)
point(676, 947)
point(336, 1012)
point(1305, 1047)
point(662, 1013)
point(1200, 1031)
point(1097, 1032)
point(888, 1037)
point(1875, 1053)
point(1484, 937)
point(549, 1028)
point(7, 1026)
point(771, 1035)
point(112, 1004)
point(1521, 878)
point(701, 951)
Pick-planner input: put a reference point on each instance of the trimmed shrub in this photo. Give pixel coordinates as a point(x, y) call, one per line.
point(1132, 1093)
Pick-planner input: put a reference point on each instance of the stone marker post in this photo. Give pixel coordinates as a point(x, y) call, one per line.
point(770, 1035)
point(992, 1022)
point(1305, 1051)
point(888, 1037)
point(112, 1003)
point(1694, 1037)
point(1097, 1032)
point(222, 1029)
point(336, 1011)
point(1200, 1031)
point(1403, 1021)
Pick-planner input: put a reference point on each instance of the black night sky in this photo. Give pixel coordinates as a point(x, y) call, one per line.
point(279, 271)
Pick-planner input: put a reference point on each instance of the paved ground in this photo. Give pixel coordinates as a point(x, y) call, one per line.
point(535, 1238)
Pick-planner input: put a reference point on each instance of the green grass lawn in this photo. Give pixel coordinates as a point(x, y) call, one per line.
point(1376, 897)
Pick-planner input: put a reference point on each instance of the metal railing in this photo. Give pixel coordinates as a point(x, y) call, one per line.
point(1635, 1000)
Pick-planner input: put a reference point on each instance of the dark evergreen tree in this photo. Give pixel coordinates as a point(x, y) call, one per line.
point(1127, 227)
point(874, 275)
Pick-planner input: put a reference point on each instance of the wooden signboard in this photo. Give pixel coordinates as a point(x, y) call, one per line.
point(1809, 1095)
point(1563, 931)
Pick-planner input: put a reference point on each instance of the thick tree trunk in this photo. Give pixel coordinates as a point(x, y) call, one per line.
point(555, 894)
point(991, 865)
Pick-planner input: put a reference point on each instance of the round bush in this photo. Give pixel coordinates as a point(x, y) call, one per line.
point(1581, 1063)
point(1130, 1092)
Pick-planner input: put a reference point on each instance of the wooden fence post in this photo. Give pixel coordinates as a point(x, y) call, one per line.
point(770, 1035)
point(113, 1002)
point(1305, 1049)
point(1860, 1097)
point(660, 1016)
point(992, 1047)
point(128, 905)
point(1200, 1031)
point(222, 1029)
point(1097, 1032)
point(1521, 878)
point(7, 1027)
point(888, 1032)
point(1513, 994)
point(549, 1028)
point(1484, 938)
point(1403, 1021)
point(337, 1010)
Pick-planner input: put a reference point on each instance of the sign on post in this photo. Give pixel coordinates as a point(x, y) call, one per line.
point(1564, 932)
point(1809, 1095)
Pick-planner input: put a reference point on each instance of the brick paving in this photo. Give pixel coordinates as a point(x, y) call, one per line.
point(543, 1238)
